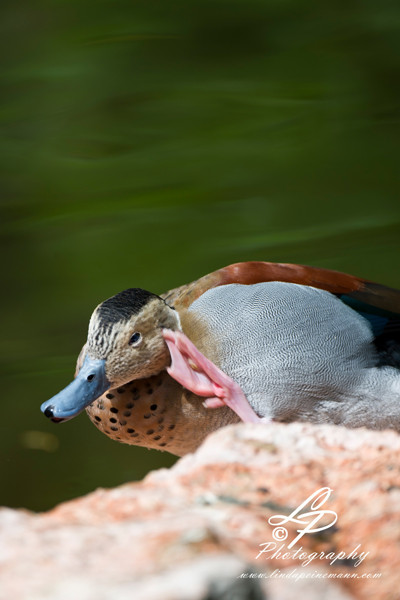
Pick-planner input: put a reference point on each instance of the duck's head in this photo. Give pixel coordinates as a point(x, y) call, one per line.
point(124, 343)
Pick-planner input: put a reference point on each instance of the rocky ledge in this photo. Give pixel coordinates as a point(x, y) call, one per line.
point(201, 529)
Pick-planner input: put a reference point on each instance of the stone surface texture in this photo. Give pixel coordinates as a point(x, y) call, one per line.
point(194, 531)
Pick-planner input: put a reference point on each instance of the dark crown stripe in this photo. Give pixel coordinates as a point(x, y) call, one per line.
point(122, 306)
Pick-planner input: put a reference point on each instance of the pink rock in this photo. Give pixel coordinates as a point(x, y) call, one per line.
point(194, 531)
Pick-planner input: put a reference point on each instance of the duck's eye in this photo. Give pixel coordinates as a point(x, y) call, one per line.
point(135, 340)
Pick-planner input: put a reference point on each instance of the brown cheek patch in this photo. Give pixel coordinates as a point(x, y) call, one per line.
point(132, 413)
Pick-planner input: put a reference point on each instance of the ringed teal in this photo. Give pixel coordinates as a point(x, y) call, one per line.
point(253, 341)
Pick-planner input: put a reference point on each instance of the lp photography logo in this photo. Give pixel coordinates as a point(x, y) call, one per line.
point(309, 517)
point(308, 520)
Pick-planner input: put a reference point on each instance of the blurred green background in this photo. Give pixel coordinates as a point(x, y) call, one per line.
point(148, 143)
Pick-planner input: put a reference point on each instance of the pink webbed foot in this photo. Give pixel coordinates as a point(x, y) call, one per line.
point(199, 375)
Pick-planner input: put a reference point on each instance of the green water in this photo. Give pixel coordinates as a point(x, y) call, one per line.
point(145, 144)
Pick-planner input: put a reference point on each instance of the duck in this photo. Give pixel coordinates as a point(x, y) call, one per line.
point(256, 341)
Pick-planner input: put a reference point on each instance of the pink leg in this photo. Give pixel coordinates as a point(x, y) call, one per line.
point(199, 375)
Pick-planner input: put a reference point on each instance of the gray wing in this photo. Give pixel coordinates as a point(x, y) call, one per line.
point(287, 345)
